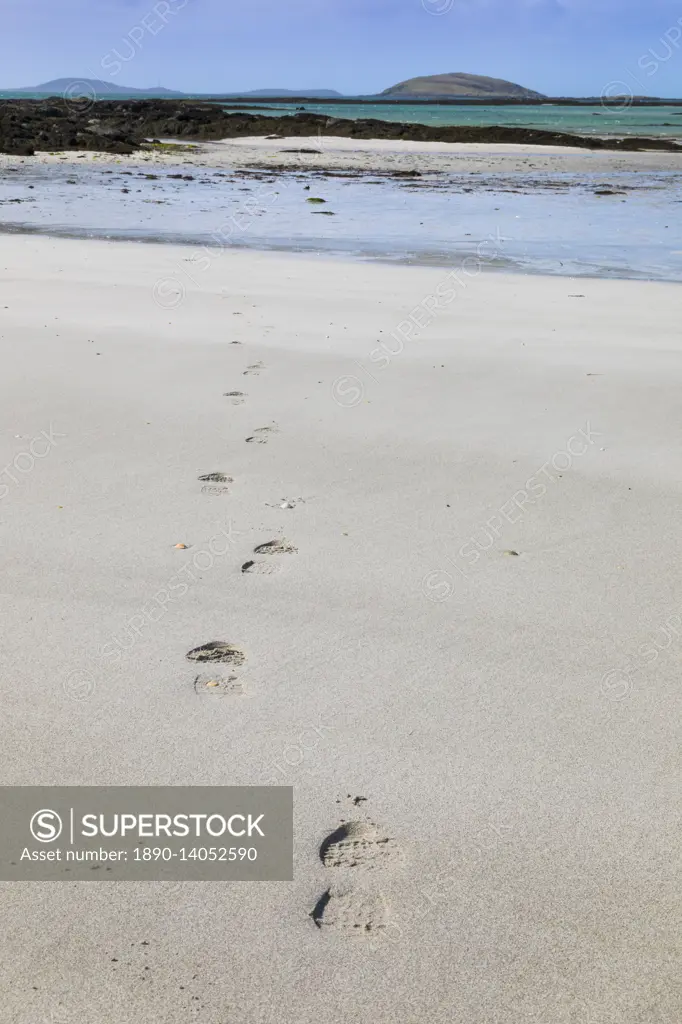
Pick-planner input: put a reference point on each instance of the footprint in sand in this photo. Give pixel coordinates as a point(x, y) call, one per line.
point(216, 478)
point(212, 483)
point(217, 651)
point(262, 435)
point(260, 568)
point(254, 369)
point(350, 910)
point(279, 546)
point(218, 686)
point(358, 844)
point(236, 397)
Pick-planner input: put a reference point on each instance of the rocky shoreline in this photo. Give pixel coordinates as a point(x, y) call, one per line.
point(125, 126)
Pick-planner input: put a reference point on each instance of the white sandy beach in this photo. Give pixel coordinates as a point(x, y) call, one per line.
point(380, 155)
point(463, 157)
point(506, 697)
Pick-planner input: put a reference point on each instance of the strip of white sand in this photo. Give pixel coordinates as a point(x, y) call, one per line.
point(342, 144)
point(456, 157)
point(340, 153)
point(512, 719)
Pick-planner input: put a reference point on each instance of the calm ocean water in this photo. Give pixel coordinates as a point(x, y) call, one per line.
point(593, 120)
point(596, 120)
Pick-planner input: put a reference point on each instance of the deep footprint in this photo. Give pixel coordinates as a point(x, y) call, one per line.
point(262, 568)
point(218, 686)
point(217, 651)
point(358, 844)
point(276, 547)
point(350, 910)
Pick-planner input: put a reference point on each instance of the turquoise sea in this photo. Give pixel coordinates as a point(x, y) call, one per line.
point(581, 120)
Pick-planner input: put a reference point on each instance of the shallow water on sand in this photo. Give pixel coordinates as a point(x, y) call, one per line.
point(532, 222)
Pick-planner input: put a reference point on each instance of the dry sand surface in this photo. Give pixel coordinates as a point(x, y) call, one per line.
point(506, 697)
point(379, 155)
point(457, 157)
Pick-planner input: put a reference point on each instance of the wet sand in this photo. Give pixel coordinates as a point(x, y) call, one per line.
point(535, 217)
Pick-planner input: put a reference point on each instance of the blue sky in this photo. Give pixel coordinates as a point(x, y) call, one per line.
point(559, 47)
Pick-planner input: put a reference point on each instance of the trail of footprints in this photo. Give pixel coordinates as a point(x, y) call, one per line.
point(222, 653)
point(219, 652)
point(356, 847)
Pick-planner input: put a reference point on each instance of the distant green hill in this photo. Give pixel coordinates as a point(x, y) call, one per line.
point(459, 84)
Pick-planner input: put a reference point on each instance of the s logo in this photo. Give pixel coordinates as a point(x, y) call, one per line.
point(46, 826)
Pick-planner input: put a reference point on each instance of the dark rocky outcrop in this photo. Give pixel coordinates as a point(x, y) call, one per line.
point(123, 126)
